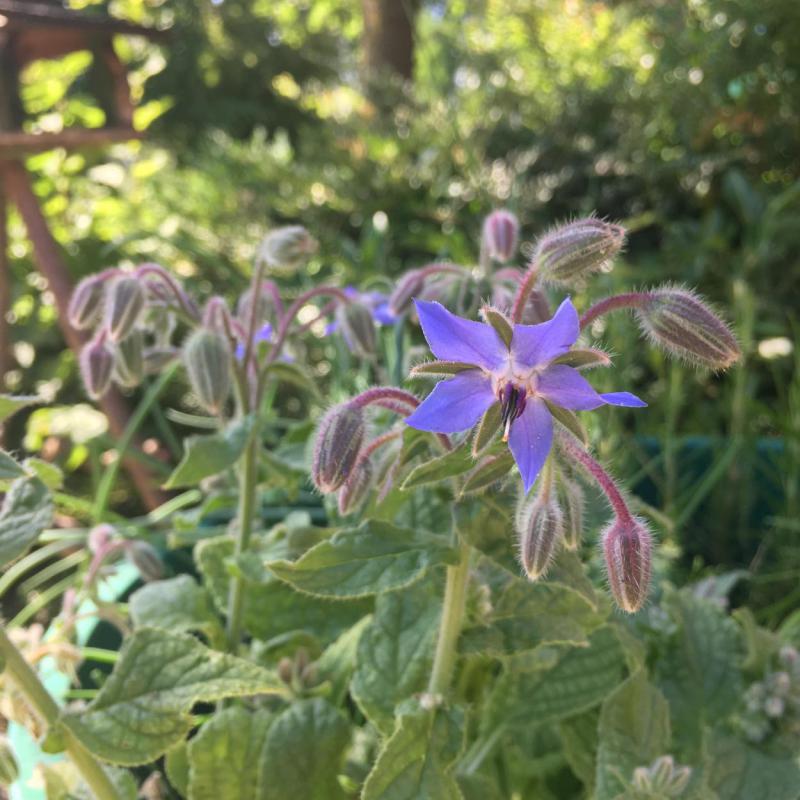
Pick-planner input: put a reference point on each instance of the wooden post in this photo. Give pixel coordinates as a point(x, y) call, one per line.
point(51, 265)
point(5, 288)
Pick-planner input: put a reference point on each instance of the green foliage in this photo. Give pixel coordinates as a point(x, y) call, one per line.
point(27, 509)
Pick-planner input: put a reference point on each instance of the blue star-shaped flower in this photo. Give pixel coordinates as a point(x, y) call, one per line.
point(520, 376)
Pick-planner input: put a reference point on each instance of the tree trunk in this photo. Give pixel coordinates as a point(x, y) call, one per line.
point(389, 37)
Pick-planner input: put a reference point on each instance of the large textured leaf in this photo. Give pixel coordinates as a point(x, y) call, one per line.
point(395, 652)
point(224, 757)
point(356, 562)
point(143, 708)
point(303, 753)
point(449, 465)
point(580, 678)
point(210, 455)
point(633, 732)
point(177, 604)
point(27, 509)
point(415, 760)
point(579, 739)
point(338, 660)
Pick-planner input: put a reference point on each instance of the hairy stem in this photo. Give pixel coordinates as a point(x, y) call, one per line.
point(27, 681)
point(613, 303)
point(526, 286)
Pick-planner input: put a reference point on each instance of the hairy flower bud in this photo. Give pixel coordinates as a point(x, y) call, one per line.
point(129, 360)
point(540, 528)
point(572, 504)
point(663, 778)
point(627, 549)
point(217, 316)
point(124, 305)
point(572, 252)
point(9, 769)
point(86, 302)
point(355, 489)
point(500, 235)
point(408, 287)
point(358, 328)
point(336, 447)
point(146, 559)
point(684, 325)
point(96, 363)
point(207, 358)
point(287, 246)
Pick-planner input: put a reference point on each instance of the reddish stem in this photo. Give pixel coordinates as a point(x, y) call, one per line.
point(617, 301)
point(378, 394)
point(439, 267)
point(183, 299)
point(524, 290)
point(374, 445)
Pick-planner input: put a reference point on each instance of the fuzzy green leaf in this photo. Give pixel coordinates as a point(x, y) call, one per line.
point(338, 660)
point(490, 470)
point(456, 462)
point(143, 707)
point(27, 509)
point(9, 469)
point(356, 562)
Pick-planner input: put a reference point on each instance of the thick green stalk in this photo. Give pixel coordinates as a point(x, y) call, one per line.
point(26, 680)
point(455, 594)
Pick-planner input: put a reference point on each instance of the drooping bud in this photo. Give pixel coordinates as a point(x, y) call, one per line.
point(572, 504)
point(357, 327)
point(287, 247)
point(217, 317)
point(156, 358)
point(681, 323)
point(408, 287)
point(146, 559)
point(86, 302)
point(129, 360)
point(336, 446)
point(500, 235)
point(627, 549)
point(540, 528)
point(96, 363)
point(573, 252)
point(124, 305)
point(207, 358)
point(355, 489)
point(9, 769)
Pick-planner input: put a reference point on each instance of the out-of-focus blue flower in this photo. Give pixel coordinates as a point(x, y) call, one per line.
point(263, 334)
point(376, 302)
point(520, 376)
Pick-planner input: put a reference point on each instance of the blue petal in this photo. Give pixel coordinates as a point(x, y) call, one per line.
point(530, 440)
point(455, 404)
point(533, 345)
point(382, 315)
point(623, 399)
point(453, 338)
point(567, 388)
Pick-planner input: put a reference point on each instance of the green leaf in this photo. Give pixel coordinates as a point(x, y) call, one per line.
point(580, 678)
point(294, 375)
point(449, 465)
point(415, 760)
point(209, 455)
point(176, 765)
point(355, 562)
point(303, 754)
point(487, 428)
point(224, 756)
point(491, 470)
point(143, 707)
point(338, 661)
point(26, 511)
point(395, 653)
point(583, 358)
point(10, 405)
point(50, 474)
point(439, 368)
point(579, 739)
point(177, 604)
point(569, 420)
point(633, 732)
point(739, 772)
point(501, 324)
point(9, 469)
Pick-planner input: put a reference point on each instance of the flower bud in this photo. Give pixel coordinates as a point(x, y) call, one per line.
point(572, 504)
point(663, 778)
point(156, 358)
point(540, 528)
point(207, 358)
point(129, 360)
point(9, 769)
point(408, 287)
point(677, 320)
point(124, 305)
point(217, 316)
point(100, 537)
point(572, 252)
point(146, 559)
point(86, 302)
point(627, 550)
point(287, 246)
point(355, 489)
point(96, 363)
point(358, 328)
point(336, 447)
point(500, 235)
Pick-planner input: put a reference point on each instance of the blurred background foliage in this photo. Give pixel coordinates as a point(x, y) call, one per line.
point(680, 118)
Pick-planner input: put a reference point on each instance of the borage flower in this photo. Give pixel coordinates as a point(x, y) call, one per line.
point(523, 376)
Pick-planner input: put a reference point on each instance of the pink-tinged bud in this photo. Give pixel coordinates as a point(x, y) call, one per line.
point(355, 489)
point(627, 549)
point(100, 537)
point(358, 328)
point(156, 358)
point(572, 504)
point(146, 559)
point(124, 305)
point(96, 365)
point(287, 247)
point(681, 323)
point(573, 252)
point(500, 235)
point(129, 360)
point(86, 302)
point(540, 528)
point(217, 317)
point(207, 358)
point(408, 287)
point(336, 446)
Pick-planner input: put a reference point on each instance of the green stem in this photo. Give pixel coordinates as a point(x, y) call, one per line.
point(28, 683)
point(455, 594)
